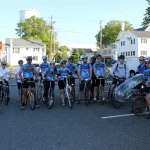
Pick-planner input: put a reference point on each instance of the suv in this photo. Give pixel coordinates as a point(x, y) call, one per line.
point(133, 64)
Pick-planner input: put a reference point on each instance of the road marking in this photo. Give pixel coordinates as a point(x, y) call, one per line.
point(117, 116)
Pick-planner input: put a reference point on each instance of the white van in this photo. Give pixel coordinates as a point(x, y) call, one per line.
point(133, 64)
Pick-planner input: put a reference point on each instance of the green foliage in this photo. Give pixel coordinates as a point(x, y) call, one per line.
point(82, 52)
point(76, 55)
point(146, 19)
point(111, 31)
point(61, 53)
point(35, 28)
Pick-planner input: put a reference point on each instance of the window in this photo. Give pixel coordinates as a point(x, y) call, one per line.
point(131, 42)
point(26, 49)
point(143, 40)
point(122, 43)
point(16, 50)
point(128, 53)
point(35, 58)
point(133, 53)
point(144, 53)
point(38, 50)
point(34, 50)
point(134, 41)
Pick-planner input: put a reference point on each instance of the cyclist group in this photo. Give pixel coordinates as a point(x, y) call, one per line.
point(93, 72)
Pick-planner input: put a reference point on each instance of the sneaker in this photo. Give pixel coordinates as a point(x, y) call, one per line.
point(63, 103)
point(22, 108)
point(94, 99)
point(37, 106)
point(103, 98)
point(148, 116)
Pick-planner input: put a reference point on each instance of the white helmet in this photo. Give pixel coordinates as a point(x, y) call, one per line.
point(147, 59)
point(44, 57)
point(52, 62)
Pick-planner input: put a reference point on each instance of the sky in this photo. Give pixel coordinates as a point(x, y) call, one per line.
point(77, 21)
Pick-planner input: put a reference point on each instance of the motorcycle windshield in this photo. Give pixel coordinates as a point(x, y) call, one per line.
point(121, 92)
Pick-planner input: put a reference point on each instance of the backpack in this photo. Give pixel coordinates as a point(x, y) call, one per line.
point(124, 67)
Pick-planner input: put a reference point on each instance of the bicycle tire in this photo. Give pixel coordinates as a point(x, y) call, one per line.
point(6, 98)
point(109, 98)
point(40, 93)
point(69, 98)
point(85, 97)
point(73, 94)
point(32, 100)
point(142, 104)
point(115, 102)
point(50, 97)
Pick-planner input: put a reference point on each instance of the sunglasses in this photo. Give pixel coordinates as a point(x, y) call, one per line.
point(99, 58)
point(141, 60)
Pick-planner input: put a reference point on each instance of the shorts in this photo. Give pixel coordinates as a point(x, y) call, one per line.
point(82, 85)
point(26, 84)
point(61, 84)
point(19, 85)
point(97, 82)
point(147, 90)
point(115, 81)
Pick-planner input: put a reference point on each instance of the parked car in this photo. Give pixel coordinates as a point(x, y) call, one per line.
point(132, 63)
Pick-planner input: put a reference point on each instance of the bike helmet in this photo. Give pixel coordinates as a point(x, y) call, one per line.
point(84, 57)
point(147, 59)
point(44, 57)
point(3, 63)
point(93, 57)
point(20, 61)
point(29, 58)
point(63, 62)
point(70, 58)
point(99, 56)
point(121, 57)
point(142, 58)
point(52, 62)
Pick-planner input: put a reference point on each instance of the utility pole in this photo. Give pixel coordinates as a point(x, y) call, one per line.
point(100, 42)
point(51, 36)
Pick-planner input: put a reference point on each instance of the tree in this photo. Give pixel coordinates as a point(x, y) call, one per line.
point(82, 52)
point(111, 31)
point(146, 19)
point(76, 55)
point(35, 28)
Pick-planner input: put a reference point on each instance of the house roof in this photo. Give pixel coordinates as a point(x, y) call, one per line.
point(141, 29)
point(24, 43)
point(87, 50)
point(144, 34)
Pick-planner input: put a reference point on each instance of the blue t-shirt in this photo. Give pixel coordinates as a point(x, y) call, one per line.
point(44, 66)
point(100, 67)
point(28, 70)
point(147, 75)
point(49, 74)
point(85, 69)
point(71, 67)
point(63, 73)
point(141, 68)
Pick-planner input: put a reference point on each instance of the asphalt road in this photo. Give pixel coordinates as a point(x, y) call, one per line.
point(81, 128)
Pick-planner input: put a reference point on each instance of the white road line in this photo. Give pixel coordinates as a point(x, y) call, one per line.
point(117, 116)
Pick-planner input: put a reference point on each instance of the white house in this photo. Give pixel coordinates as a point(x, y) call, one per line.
point(133, 43)
point(19, 49)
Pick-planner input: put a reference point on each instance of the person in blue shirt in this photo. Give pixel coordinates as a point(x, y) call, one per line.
point(48, 76)
point(84, 72)
point(28, 71)
point(99, 70)
point(43, 66)
point(142, 67)
point(73, 68)
point(62, 71)
point(147, 83)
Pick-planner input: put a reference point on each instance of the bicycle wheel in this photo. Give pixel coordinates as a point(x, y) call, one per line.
point(50, 98)
point(73, 94)
point(40, 93)
point(109, 98)
point(69, 98)
point(139, 106)
point(85, 97)
point(6, 98)
point(115, 102)
point(32, 100)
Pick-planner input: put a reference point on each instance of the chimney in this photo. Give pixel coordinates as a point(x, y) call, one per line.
point(122, 26)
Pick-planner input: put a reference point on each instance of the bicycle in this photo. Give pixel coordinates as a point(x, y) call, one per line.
point(116, 104)
point(140, 106)
point(99, 93)
point(68, 92)
point(51, 96)
point(73, 90)
point(4, 93)
point(40, 92)
point(30, 95)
